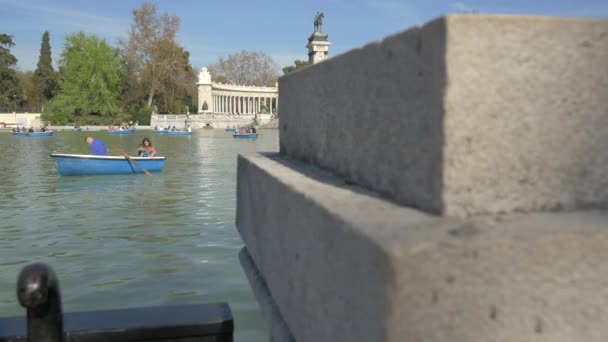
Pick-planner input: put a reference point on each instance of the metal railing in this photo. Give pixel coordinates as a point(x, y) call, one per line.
point(38, 292)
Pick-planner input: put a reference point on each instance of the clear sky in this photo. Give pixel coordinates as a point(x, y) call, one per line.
point(211, 29)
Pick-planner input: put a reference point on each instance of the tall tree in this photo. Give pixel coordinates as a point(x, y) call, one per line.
point(45, 78)
point(246, 68)
point(9, 88)
point(298, 64)
point(153, 53)
point(89, 83)
point(28, 92)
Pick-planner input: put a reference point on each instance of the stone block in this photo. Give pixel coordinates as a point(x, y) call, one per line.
point(278, 330)
point(468, 114)
point(343, 264)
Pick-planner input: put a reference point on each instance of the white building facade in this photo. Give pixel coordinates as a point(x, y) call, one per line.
point(230, 99)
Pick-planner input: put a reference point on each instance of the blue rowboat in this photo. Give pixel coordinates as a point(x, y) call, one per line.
point(178, 133)
point(86, 164)
point(230, 130)
point(77, 129)
point(159, 131)
point(245, 136)
point(127, 131)
point(34, 134)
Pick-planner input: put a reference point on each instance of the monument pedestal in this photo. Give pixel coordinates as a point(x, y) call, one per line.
point(433, 187)
point(318, 47)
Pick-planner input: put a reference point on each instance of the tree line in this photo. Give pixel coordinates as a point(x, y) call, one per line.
point(97, 83)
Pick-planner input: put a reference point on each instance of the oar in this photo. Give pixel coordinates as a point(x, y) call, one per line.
point(121, 151)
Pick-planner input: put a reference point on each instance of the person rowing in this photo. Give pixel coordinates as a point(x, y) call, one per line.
point(98, 148)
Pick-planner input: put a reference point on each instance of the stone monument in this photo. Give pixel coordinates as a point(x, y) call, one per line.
point(318, 45)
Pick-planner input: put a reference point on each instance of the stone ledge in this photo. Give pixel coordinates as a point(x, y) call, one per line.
point(465, 115)
point(342, 264)
point(279, 331)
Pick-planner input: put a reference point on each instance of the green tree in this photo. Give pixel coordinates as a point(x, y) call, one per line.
point(247, 68)
point(45, 78)
point(177, 89)
point(27, 95)
point(90, 82)
point(155, 58)
point(9, 87)
point(298, 65)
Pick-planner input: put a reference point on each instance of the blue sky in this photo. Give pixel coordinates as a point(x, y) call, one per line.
point(211, 29)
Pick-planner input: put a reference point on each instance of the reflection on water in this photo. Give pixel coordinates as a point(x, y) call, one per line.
point(129, 240)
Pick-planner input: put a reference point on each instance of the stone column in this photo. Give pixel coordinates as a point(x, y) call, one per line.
point(271, 105)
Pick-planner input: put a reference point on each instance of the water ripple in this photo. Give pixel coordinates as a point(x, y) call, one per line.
point(125, 240)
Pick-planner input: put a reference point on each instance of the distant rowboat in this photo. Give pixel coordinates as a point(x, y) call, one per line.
point(34, 134)
point(230, 130)
point(178, 133)
point(245, 136)
point(127, 131)
point(86, 164)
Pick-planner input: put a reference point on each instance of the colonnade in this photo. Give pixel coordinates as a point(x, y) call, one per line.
point(229, 104)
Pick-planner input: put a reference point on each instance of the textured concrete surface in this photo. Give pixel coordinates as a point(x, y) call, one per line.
point(468, 114)
point(343, 264)
point(278, 330)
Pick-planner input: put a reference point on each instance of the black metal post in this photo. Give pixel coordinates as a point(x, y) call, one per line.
point(38, 292)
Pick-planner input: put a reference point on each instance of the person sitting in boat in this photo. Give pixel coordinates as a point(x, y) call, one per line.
point(146, 149)
point(98, 148)
point(43, 129)
point(156, 128)
point(253, 130)
point(31, 130)
point(189, 129)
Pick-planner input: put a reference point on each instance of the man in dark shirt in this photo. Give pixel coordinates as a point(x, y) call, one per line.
point(98, 148)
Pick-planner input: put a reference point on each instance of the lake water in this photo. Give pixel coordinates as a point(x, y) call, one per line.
point(129, 240)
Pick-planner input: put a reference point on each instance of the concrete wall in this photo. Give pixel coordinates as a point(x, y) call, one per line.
point(23, 119)
point(462, 115)
point(436, 186)
point(342, 264)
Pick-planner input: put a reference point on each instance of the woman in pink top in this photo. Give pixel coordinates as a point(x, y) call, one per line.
point(146, 149)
